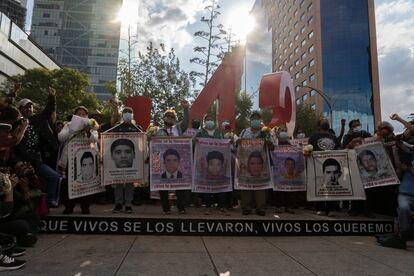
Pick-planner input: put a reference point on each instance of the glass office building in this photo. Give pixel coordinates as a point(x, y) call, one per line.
point(82, 35)
point(329, 47)
point(18, 52)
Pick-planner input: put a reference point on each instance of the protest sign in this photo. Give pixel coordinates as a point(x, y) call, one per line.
point(288, 169)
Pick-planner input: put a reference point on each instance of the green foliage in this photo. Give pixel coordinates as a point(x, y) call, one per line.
point(244, 104)
point(267, 115)
point(306, 119)
point(158, 75)
point(70, 88)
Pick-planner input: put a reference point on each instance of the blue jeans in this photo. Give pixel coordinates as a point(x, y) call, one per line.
point(405, 213)
point(52, 180)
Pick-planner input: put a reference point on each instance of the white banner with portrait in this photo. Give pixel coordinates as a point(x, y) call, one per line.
point(171, 162)
point(123, 157)
point(375, 166)
point(333, 175)
point(212, 166)
point(288, 169)
point(84, 168)
point(252, 165)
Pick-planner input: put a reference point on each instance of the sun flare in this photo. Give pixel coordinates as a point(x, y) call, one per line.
point(128, 14)
point(241, 23)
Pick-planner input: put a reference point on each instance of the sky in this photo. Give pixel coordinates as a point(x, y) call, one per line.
point(173, 22)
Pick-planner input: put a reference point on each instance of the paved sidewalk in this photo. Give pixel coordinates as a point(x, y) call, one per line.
point(82, 255)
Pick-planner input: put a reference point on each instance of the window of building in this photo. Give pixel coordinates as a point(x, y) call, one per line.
point(296, 50)
point(304, 69)
point(285, 62)
point(291, 55)
point(310, 35)
point(310, 6)
point(296, 37)
point(46, 15)
point(312, 93)
point(304, 83)
point(301, 3)
point(312, 77)
point(305, 97)
point(291, 68)
point(303, 42)
point(298, 101)
point(297, 62)
point(304, 55)
point(297, 75)
point(311, 49)
point(296, 24)
point(46, 32)
point(285, 51)
point(290, 44)
point(310, 20)
point(280, 67)
point(302, 16)
point(313, 106)
point(297, 88)
point(311, 63)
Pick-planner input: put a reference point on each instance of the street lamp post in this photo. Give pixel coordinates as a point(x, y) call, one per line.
point(328, 99)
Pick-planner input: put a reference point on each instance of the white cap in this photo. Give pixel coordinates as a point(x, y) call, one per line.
point(23, 102)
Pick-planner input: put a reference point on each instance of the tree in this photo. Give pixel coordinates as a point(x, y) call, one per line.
point(126, 64)
point(244, 104)
point(210, 52)
point(158, 75)
point(70, 88)
point(306, 119)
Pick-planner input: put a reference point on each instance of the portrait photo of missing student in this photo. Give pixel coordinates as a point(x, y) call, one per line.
point(290, 171)
point(171, 161)
point(331, 170)
point(123, 153)
point(216, 170)
point(88, 167)
point(256, 164)
point(371, 167)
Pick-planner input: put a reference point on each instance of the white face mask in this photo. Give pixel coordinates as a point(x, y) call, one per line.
point(283, 136)
point(301, 135)
point(127, 117)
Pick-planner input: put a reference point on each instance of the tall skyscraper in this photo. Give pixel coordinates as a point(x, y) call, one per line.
point(82, 35)
point(329, 45)
point(15, 10)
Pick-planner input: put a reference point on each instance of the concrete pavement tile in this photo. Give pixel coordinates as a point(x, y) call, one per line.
point(180, 264)
point(88, 255)
point(262, 264)
point(289, 244)
point(44, 242)
point(342, 263)
point(237, 244)
point(355, 243)
point(168, 244)
point(401, 260)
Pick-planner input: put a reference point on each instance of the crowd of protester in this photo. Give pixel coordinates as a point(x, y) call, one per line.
point(34, 169)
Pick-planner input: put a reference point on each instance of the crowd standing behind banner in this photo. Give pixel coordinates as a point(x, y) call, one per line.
point(34, 174)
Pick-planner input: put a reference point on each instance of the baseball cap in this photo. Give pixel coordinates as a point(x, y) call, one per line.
point(24, 102)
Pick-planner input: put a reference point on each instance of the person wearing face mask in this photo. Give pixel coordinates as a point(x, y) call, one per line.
point(355, 135)
point(210, 130)
point(255, 198)
point(124, 193)
point(172, 128)
point(64, 136)
point(323, 140)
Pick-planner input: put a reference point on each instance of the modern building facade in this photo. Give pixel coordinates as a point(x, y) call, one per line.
point(82, 35)
point(15, 10)
point(329, 47)
point(18, 52)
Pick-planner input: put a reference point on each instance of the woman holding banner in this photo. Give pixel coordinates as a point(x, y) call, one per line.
point(214, 160)
point(79, 125)
point(255, 198)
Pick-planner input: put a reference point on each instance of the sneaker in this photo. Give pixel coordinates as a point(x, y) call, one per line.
point(67, 211)
point(260, 212)
point(18, 252)
point(9, 263)
point(395, 242)
point(86, 211)
point(246, 212)
point(128, 209)
point(117, 209)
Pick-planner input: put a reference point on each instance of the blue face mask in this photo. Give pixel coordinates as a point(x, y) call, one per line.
point(127, 117)
point(255, 123)
point(209, 124)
